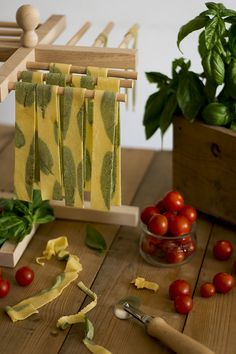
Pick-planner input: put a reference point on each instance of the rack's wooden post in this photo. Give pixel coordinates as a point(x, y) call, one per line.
point(27, 17)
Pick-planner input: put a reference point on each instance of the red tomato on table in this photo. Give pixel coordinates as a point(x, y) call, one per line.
point(24, 276)
point(222, 250)
point(4, 287)
point(183, 304)
point(179, 287)
point(223, 282)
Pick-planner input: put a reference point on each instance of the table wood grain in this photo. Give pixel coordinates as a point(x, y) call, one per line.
point(146, 176)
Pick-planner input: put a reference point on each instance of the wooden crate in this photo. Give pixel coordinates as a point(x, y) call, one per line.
point(204, 167)
point(10, 252)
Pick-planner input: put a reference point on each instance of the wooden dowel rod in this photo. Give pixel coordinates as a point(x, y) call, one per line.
point(7, 44)
point(79, 34)
point(83, 70)
point(129, 36)
point(9, 40)
point(120, 97)
point(123, 83)
point(7, 24)
point(10, 33)
point(102, 37)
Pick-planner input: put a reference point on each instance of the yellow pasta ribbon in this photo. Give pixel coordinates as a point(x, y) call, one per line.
point(49, 142)
point(25, 127)
point(141, 283)
point(87, 82)
point(31, 305)
point(35, 77)
point(104, 124)
point(72, 115)
point(64, 321)
point(113, 84)
point(59, 68)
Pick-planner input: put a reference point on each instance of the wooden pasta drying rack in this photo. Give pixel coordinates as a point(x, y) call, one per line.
point(27, 45)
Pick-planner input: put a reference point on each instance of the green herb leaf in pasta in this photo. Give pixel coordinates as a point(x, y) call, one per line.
point(19, 137)
point(45, 157)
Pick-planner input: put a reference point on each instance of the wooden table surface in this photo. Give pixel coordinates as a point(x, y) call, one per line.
point(146, 176)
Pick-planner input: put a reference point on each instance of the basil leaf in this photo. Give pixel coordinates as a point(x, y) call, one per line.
point(232, 39)
point(158, 78)
point(190, 95)
point(168, 112)
point(94, 239)
point(211, 35)
point(215, 8)
point(193, 25)
point(214, 67)
point(153, 108)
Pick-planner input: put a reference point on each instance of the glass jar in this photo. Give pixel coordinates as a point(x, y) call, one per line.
point(167, 250)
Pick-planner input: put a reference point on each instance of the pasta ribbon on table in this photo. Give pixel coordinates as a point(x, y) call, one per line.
point(65, 321)
point(29, 306)
point(49, 141)
point(25, 126)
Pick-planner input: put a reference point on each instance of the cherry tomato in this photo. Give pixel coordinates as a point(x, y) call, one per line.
point(24, 276)
point(223, 282)
point(170, 216)
point(207, 290)
point(148, 246)
point(189, 248)
point(183, 304)
point(160, 207)
point(158, 224)
point(175, 256)
point(179, 226)
point(189, 212)
point(222, 250)
point(147, 213)
point(4, 287)
point(179, 287)
point(173, 201)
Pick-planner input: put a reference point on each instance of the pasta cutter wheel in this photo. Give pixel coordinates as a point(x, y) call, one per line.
point(157, 327)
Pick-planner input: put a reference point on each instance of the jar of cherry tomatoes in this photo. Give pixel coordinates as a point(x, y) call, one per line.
point(167, 250)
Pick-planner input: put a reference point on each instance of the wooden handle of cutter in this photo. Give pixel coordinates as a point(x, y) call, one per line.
point(175, 340)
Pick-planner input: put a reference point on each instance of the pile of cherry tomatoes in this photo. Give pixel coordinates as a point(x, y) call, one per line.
point(169, 238)
point(23, 276)
point(180, 289)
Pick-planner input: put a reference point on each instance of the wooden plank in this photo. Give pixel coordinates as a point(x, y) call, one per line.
point(206, 155)
point(85, 56)
point(123, 264)
point(47, 32)
point(213, 320)
point(38, 331)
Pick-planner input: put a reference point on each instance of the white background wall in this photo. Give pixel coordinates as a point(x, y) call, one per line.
point(159, 22)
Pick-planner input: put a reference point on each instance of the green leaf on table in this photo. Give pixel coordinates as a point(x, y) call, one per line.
point(94, 239)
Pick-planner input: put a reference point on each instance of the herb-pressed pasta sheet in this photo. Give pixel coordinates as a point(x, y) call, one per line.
point(24, 141)
point(72, 145)
point(48, 141)
point(104, 124)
